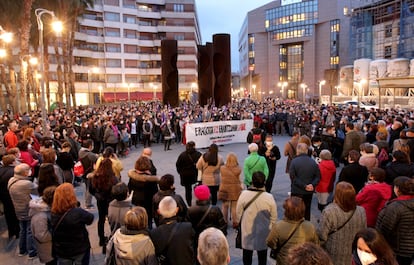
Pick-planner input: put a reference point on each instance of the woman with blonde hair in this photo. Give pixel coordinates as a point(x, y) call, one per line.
point(70, 242)
point(131, 244)
point(230, 187)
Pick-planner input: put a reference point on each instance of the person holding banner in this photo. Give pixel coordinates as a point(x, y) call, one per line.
point(210, 164)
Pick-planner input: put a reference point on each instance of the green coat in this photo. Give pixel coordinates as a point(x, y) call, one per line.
point(254, 163)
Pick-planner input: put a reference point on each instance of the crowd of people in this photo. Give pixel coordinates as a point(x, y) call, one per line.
point(366, 212)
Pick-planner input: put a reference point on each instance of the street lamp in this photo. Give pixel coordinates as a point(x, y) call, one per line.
point(321, 83)
point(93, 70)
point(5, 36)
point(57, 26)
point(361, 83)
point(155, 91)
point(254, 91)
point(303, 86)
point(282, 85)
point(128, 85)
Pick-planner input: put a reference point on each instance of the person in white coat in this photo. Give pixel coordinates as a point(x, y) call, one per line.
point(256, 220)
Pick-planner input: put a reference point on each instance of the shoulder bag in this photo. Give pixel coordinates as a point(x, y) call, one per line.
point(239, 232)
point(275, 251)
point(340, 227)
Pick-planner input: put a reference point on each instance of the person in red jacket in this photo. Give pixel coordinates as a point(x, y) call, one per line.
point(10, 138)
point(328, 174)
point(374, 195)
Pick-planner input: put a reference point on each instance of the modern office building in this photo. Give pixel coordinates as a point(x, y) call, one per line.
point(288, 47)
point(118, 49)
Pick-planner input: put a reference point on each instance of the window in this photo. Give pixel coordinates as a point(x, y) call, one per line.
point(112, 32)
point(131, 63)
point(113, 78)
point(111, 2)
point(111, 16)
point(178, 8)
point(113, 62)
point(113, 47)
point(130, 48)
point(387, 52)
point(144, 8)
point(130, 34)
point(388, 31)
point(129, 19)
point(128, 3)
point(179, 37)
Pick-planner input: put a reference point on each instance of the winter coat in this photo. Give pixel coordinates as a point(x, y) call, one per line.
point(290, 152)
point(116, 213)
point(87, 159)
point(257, 219)
point(396, 169)
point(182, 207)
point(303, 171)
point(395, 222)
point(352, 142)
point(328, 176)
point(281, 231)
point(70, 237)
point(144, 187)
point(180, 250)
point(20, 188)
point(373, 198)
point(252, 164)
point(109, 136)
point(186, 167)
point(102, 194)
point(369, 161)
point(27, 158)
point(214, 217)
point(338, 243)
point(6, 173)
point(211, 174)
point(355, 174)
point(41, 229)
point(132, 248)
point(230, 184)
point(117, 166)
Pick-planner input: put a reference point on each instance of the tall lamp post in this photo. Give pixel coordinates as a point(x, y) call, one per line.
point(128, 85)
point(100, 94)
point(57, 26)
point(321, 83)
point(282, 85)
point(93, 70)
point(303, 86)
point(360, 89)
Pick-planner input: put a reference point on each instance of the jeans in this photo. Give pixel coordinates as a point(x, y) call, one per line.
point(26, 244)
point(248, 257)
point(82, 259)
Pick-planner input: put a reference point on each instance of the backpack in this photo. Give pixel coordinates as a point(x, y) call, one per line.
point(383, 157)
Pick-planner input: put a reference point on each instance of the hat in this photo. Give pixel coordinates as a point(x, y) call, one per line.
point(202, 193)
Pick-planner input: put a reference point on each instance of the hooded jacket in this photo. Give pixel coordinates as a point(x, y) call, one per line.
point(132, 248)
point(328, 175)
point(20, 188)
point(41, 229)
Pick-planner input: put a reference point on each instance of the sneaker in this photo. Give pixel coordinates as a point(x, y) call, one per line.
point(32, 257)
point(22, 254)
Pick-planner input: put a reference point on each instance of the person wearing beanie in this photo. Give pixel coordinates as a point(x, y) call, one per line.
point(213, 217)
point(253, 163)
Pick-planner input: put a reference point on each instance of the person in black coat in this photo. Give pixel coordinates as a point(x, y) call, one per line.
point(167, 188)
point(70, 237)
point(6, 173)
point(354, 173)
point(272, 153)
point(173, 240)
point(186, 167)
point(400, 166)
point(203, 215)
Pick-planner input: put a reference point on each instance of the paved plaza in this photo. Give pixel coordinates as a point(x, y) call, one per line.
point(165, 163)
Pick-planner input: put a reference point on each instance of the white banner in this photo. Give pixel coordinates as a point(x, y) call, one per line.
point(219, 132)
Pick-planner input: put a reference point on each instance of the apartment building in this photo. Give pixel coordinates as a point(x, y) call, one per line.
point(118, 49)
point(289, 47)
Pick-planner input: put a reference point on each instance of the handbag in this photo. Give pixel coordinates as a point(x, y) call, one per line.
point(238, 229)
point(275, 251)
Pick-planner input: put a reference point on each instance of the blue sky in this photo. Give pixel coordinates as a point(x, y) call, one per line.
point(225, 16)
